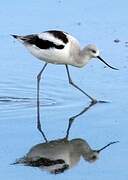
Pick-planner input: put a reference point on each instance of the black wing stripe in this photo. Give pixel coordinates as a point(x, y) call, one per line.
point(59, 35)
point(45, 162)
point(40, 43)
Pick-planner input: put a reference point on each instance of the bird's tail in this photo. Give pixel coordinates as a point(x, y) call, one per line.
point(15, 36)
point(20, 161)
point(19, 38)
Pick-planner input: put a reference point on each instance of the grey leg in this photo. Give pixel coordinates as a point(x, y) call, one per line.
point(38, 103)
point(73, 84)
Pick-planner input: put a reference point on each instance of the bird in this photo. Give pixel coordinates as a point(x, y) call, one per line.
point(59, 155)
point(59, 47)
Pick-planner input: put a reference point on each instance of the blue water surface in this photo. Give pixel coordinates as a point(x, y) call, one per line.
point(98, 22)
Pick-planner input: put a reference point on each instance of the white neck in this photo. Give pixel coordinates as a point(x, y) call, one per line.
point(82, 58)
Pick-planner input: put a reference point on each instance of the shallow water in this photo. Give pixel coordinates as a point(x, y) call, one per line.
point(103, 123)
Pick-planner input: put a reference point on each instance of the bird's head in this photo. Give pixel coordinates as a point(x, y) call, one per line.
point(93, 52)
point(93, 155)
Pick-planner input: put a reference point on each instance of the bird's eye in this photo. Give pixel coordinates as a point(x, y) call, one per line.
point(93, 51)
point(93, 157)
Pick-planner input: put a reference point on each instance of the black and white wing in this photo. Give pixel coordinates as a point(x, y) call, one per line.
point(53, 166)
point(45, 40)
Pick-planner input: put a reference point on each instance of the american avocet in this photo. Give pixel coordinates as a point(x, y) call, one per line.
point(58, 47)
point(59, 155)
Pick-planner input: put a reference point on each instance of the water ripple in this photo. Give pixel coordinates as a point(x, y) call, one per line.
point(22, 102)
point(7, 99)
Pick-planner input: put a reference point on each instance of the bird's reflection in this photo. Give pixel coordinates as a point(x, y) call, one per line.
point(59, 155)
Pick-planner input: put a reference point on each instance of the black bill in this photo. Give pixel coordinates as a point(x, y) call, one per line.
point(106, 63)
point(107, 146)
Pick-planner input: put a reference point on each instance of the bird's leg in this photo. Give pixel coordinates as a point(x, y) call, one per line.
point(93, 101)
point(71, 119)
point(38, 102)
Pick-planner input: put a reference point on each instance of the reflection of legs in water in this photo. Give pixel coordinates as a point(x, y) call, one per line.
point(38, 102)
point(71, 119)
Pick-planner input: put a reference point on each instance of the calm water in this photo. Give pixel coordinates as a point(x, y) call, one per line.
point(100, 22)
